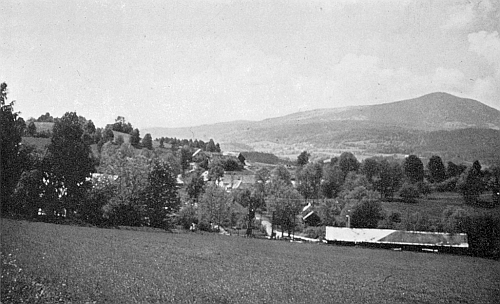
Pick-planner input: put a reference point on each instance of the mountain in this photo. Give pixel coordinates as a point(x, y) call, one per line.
point(405, 126)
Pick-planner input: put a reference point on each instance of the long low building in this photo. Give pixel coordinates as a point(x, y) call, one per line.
point(399, 239)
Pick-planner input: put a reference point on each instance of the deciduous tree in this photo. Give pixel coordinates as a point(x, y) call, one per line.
point(160, 195)
point(333, 178)
point(309, 179)
point(370, 167)
point(214, 206)
point(12, 163)
point(281, 173)
point(366, 214)
point(414, 169)
point(348, 163)
point(390, 180)
point(303, 158)
point(436, 169)
point(195, 185)
point(70, 160)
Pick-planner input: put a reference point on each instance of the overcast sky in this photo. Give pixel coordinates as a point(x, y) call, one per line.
point(185, 63)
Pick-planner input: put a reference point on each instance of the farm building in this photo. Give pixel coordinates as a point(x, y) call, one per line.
point(309, 216)
point(398, 239)
point(231, 181)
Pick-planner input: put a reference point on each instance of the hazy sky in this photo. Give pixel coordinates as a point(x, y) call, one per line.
point(184, 63)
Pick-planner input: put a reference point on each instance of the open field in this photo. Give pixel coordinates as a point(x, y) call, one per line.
point(435, 203)
point(47, 263)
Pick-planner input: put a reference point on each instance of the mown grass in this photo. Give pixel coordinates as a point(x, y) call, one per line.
point(48, 263)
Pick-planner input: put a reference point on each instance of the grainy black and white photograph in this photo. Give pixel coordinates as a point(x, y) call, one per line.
point(225, 151)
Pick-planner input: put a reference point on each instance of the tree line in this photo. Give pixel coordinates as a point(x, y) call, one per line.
point(60, 182)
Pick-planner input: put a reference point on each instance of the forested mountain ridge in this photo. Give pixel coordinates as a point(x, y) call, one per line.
point(397, 127)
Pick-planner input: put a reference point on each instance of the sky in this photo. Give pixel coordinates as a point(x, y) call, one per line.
point(188, 63)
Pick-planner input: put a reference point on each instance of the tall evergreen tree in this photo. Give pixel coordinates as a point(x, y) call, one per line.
point(135, 138)
point(211, 146)
point(471, 183)
point(31, 129)
point(160, 196)
point(147, 141)
point(303, 158)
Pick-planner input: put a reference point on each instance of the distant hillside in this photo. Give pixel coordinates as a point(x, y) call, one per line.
point(44, 126)
point(396, 127)
point(461, 145)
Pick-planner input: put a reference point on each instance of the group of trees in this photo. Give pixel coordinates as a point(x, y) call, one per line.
point(58, 182)
point(357, 187)
point(210, 146)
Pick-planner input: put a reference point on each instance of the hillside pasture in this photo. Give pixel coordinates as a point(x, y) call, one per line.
point(435, 203)
point(37, 142)
point(50, 263)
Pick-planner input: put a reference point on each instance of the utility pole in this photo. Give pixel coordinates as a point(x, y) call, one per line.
point(272, 227)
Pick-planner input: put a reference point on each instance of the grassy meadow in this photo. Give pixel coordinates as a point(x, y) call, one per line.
point(435, 203)
point(50, 263)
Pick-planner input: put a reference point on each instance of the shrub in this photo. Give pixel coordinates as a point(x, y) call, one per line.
point(92, 210)
point(424, 188)
point(187, 216)
point(366, 214)
point(483, 234)
point(315, 232)
point(453, 219)
point(409, 192)
point(419, 222)
point(448, 185)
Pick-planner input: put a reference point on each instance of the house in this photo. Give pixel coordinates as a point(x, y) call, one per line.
point(231, 181)
point(310, 216)
point(179, 180)
point(196, 153)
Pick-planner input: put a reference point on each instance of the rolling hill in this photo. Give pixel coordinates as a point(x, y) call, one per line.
point(427, 124)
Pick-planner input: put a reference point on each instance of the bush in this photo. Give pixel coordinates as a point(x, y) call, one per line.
point(366, 214)
point(448, 185)
point(453, 219)
point(187, 216)
point(315, 232)
point(232, 164)
point(390, 221)
point(409, 192)
point(419, 222)
point(483, 234)
point(424, 188)
point(92, 209)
